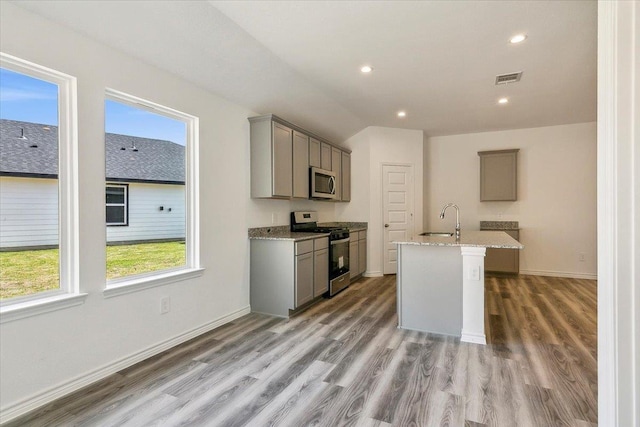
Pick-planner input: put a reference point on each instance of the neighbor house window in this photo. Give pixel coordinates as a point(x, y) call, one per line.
point(38, 201)
point(116, 204)
point(151, 164)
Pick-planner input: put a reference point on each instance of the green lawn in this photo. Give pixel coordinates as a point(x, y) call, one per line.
point(29, 272)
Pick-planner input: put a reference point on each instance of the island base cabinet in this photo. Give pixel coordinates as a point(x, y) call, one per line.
point(430, 289)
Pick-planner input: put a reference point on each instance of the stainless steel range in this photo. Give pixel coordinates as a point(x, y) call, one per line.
point(339, 277)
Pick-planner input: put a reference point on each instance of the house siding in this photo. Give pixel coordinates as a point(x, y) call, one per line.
point(29, 213)
point(146, 220)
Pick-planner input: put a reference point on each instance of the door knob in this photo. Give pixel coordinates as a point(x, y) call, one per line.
point(386, 226)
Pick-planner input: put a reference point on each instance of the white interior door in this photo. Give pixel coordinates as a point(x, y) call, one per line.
point(397, 204)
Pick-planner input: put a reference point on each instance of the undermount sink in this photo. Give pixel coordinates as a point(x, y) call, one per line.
point(436, 234)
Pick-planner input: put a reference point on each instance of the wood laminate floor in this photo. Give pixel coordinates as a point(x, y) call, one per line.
point(344, 362)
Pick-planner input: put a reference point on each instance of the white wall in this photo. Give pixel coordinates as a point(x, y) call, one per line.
point(146, 220)
point(55, 352)
point(372, 148)
point(28, 212)
point(556, 204)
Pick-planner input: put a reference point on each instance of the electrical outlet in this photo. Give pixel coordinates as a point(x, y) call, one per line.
point(165, 305)
point(581, 257)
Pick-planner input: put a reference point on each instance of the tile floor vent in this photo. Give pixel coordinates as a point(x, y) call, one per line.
point(508, 78)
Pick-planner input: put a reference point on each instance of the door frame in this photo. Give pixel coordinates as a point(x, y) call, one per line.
point(413, 183)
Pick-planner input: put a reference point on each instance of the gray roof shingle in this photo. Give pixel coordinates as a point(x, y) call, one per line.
point(154, 161)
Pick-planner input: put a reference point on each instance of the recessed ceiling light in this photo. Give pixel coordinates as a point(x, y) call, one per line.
point(402, 114)
point(518, 38)
point(503, 101)
point(366, 69)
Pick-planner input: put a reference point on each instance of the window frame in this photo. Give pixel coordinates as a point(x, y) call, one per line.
point(125, 204)
point(68, 198)
point(191, 268)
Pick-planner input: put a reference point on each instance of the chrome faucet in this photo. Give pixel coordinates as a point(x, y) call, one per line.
point(457, 217)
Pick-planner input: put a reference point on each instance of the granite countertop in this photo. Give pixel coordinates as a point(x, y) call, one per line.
point(486, 239)
point(499, 225)
point(352, 226)
point(281, 232)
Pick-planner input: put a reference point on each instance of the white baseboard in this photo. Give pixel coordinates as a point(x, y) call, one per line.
point(40, 399)
point(569, 275)
point(473, 337)
point(372, 274)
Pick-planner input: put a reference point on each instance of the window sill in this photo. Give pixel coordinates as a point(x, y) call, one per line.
point(39, 306)
point(127, 286)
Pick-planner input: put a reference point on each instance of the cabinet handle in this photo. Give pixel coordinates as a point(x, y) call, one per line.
point(386, 226)
point(332, 185)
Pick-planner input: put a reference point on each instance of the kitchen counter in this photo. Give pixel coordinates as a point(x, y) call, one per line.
point(482, 239)
point(352, 226)
point(281, 232)
point(441, 282)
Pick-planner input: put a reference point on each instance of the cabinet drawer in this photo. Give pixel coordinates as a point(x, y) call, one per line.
point(321, 243)
point(304, 247)
point(362, 235)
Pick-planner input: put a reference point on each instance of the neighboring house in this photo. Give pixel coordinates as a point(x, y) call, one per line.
point(145, 197)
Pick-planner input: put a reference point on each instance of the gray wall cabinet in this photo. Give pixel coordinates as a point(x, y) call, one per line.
point(281, 155)
point(346, 177)
point(498, 175)
point(300, 165)
point(287, 275)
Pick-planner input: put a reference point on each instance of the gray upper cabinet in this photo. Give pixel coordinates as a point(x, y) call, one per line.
point(300, 165)
point(498, 175)
point(336, 168)
point(325, 156)
point(346, 177)
point(271, 160)
point(314, 153)
point(281, 155)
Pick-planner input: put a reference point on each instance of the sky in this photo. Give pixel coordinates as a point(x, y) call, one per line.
point(32, 100)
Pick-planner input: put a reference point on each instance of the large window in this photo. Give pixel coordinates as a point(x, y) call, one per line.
point(150, 191)
point(38, 226)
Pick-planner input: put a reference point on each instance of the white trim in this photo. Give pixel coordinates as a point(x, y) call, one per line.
point(40, 399)
point(607, 223)
point(473, 338)
point(570, 275)
point(132, 284)
point(40, 305)
point(68, 211)
point(372, 274)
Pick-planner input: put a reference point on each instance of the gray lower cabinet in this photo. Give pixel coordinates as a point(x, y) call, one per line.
point(285, 274)
point(503, 260)
point(357, 253)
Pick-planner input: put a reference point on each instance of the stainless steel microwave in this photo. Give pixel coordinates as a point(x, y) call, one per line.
point(323, 184)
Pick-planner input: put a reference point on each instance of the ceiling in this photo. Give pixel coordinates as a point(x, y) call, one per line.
point(437, 60)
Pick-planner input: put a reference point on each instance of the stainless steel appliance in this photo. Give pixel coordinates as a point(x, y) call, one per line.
point(339, 277)
point(323, 184)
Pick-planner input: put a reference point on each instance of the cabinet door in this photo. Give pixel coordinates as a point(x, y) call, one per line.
point(498, 175)
point(282, 158)
point(362, 256)
point(346, 177)
point(314, 153)
point(300, 165)
point(304, 278)
point(320, 272)
point(325, 156)
point(353, 257)
point(336, 166)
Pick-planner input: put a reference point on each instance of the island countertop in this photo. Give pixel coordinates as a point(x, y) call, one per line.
point(485, 239)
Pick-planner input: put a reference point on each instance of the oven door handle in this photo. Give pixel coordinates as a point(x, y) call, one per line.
point(336, 242)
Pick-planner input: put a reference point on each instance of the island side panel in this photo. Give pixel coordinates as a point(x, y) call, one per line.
point(430, 289)
point(473, 295)
point(272, 276)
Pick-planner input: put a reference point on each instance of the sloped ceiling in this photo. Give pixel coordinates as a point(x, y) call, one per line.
point(437, 60)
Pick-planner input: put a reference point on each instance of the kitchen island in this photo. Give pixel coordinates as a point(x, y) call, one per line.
point(441, 282)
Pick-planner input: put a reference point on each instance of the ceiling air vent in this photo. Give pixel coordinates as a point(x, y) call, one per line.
point(508, 78)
